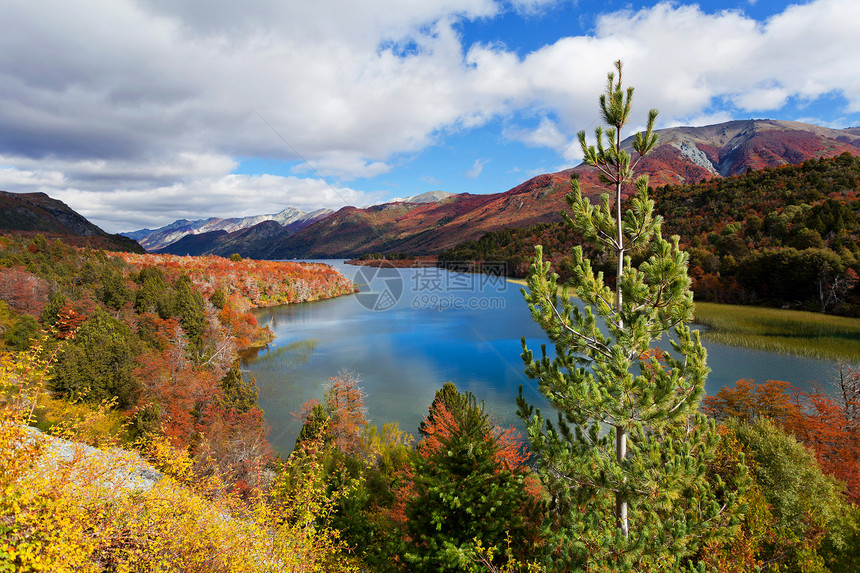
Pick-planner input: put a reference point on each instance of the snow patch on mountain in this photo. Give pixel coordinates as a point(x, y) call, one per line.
point(155, 239)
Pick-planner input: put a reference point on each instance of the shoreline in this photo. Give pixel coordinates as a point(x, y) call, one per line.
point(790, 332)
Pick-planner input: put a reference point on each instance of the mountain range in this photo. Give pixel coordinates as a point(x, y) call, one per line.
point(289, 219)
point(684, 155)
point(436, 221)
point(249, 236)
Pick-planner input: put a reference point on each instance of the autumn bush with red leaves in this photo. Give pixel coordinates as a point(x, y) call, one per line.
point(160, 332)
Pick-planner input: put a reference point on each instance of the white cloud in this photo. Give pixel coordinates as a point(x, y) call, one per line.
point(531, 7)
point(684, 61)
point(226, 196)
point(116, 101)
point(477, 167)
point(547, 134)
point(684, 58)
point(701, 119)
point(179, 166)
point(762, 99)
point(110, 79)
point(30, 179)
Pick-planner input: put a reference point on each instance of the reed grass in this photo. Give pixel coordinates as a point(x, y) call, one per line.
point(788, 331)
point(807, 334)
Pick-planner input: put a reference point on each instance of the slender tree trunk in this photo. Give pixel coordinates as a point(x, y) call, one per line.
point(620, 432)
point(620, 498)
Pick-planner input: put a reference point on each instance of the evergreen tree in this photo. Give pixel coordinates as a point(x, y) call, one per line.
point(465, 490)
point(625, 463)
point(99, 364)
point(238, 394)
point(191, 309)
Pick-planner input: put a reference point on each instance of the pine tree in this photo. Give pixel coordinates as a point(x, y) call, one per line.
point(466, 491)
point(625, 463)
point(191, 310)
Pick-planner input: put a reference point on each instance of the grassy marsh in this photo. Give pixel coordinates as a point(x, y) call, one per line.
point(795, 332)
point(776, 330)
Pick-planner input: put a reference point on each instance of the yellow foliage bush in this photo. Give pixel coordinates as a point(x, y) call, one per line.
point(67, 507)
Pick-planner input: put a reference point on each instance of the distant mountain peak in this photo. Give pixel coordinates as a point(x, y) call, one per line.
point(688, 154)
point(428, 197)
point(158, 239)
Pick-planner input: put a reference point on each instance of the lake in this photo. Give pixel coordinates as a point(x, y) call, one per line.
point(411, 330)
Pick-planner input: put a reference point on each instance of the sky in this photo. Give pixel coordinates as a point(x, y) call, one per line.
point(136, 113)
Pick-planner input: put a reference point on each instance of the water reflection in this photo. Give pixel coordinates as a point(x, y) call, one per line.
point(436, 332)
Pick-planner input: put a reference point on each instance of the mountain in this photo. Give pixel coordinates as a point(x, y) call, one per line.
point(157, 239)
point(733, 148)
point(684, 155)
point(428, 197)
point(214, 237)
point(32, 213)
point(785, 237)
point(253, 242)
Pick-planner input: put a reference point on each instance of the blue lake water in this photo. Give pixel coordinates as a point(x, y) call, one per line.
point(411, 330)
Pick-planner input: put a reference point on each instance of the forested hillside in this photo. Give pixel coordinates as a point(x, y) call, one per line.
point(156, 337)
point(140, 351)
point(36, 213)
point(783, 236)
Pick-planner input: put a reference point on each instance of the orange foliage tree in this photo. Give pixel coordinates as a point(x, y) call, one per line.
point(828, 427)
point(340, 417)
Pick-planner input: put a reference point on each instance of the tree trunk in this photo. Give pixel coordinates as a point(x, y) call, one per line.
point(620, 498)
point(620, 432)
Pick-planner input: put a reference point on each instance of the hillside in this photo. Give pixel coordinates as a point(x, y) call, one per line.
point(154, 339)
point(782, 236)
point(684, 155)
point(253, 242)
point(34, 213)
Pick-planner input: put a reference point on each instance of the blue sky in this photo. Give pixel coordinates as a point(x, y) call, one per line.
point(140, 112)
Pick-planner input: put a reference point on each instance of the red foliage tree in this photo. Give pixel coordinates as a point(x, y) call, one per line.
point(23, 291)
point(826, 426)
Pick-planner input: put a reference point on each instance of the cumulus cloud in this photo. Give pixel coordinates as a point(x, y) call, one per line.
point(111, 102)
point(683, 59)
point(547, 134)
point(200, 198)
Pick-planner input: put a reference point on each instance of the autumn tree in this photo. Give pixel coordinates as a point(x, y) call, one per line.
point(340, 417)
point(796, 519)
point(847, 383)
point(747, 401)
point(825, 425)
point(363, 466)
point(625, 462)
point(23, 291)
point(813, 525)
point(469, 488)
